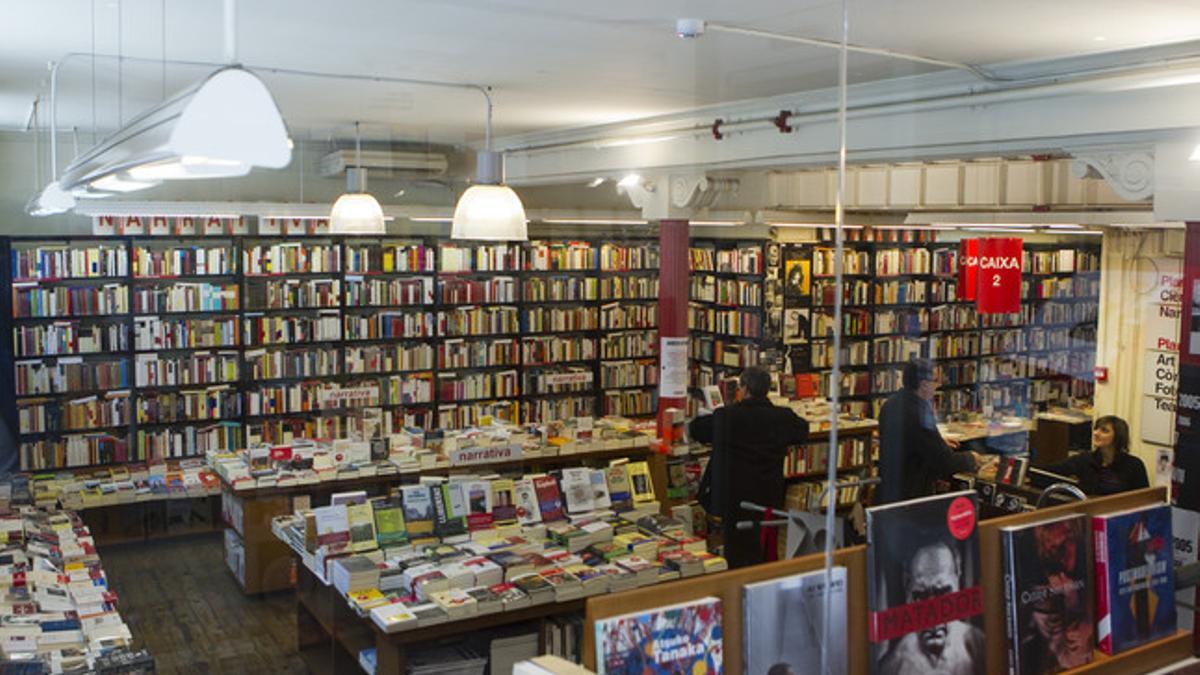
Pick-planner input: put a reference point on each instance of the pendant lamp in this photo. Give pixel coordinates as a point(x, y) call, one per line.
point(356, 212)
point(489, 210)
point(220, 127)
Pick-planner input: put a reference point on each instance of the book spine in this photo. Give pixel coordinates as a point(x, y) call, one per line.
point(1103, 608)
point(1012, 612)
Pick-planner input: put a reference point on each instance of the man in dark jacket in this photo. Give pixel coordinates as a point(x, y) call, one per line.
point(912, 452)
point(750, 439)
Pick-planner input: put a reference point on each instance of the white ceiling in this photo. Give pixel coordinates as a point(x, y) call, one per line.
point(552, 63)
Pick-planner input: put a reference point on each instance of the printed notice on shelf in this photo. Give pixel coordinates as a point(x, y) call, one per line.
point(672, 369)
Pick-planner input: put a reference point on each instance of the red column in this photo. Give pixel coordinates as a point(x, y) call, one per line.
point(672, 312)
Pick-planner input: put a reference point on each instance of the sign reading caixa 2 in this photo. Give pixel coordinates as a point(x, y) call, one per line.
point(989, 272)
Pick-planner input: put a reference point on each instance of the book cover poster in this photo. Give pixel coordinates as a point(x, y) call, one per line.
point(783, 624)
point(925, 601)
point(679, 639)
point(1135, 577)
point(797, 278)
point(1048, 591)
point(795, 326)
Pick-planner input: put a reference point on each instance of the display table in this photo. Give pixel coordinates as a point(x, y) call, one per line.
point(261, 563)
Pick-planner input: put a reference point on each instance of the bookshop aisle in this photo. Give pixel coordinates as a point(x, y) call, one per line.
point(185, 609)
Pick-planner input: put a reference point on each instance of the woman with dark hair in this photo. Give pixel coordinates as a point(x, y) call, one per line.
point(1109, 468)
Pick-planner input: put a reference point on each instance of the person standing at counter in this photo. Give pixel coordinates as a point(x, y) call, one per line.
point(1109, 468)
point(750, 439)
point(912, 453)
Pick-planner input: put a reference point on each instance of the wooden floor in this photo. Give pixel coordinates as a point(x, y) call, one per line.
point(183, 605)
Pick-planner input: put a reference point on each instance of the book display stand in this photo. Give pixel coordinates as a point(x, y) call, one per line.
point(728, 587)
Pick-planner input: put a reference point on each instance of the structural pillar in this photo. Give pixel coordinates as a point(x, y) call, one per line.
point(672, 319)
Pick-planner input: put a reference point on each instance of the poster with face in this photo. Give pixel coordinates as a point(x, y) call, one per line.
point(795, 326)
point(797, 277)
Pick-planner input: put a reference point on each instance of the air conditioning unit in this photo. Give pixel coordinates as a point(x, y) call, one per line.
point(402, 164)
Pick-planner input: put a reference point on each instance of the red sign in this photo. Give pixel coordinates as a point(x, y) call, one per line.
point(999, 283)
point(968, 268)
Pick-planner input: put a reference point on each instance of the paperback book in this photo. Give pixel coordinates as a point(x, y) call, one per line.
point(684, 638)
point(549, 498)
point(1048, 595)
point(783, 624)
point(1135, 577)
point(924, 595)
point(528, 511)
point(418, 510)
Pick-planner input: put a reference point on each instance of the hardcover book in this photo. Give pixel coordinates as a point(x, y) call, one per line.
point(640, 483)
point(389, 522)
point(504, 506)
point(617, 477)
point(1135, 577)
point(925, 601)
point(684, 638)
point(418, 510)
point(783, 624)
point(549, 498)
point(577, 489)
point(528, 511)
point(1048, 595)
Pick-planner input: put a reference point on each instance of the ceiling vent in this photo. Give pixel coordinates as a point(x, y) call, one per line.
point(397, 163)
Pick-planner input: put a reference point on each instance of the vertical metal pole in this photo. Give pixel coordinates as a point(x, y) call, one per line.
point(836, 376)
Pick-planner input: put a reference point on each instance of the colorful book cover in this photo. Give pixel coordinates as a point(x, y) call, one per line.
point(617, 477)
point(479, 505)
point(418, 510)
point(924, 595)
point(600, 497)
point(504, 505)
point(1048, 595)
point(549, 498)
point(684, 638)
point(333, 525)
point(445, 523)
point(389, 522)
point(640, 482)
point(1135, 577)
point(528, 511)
point(362, 527)
point(783, 624)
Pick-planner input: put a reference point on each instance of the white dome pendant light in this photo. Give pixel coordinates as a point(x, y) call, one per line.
point(356, 212)
point(489, 210)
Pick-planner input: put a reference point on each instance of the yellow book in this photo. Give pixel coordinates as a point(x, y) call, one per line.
point(640, 482)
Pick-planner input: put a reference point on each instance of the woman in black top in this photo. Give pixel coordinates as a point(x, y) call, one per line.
point(1109, 468)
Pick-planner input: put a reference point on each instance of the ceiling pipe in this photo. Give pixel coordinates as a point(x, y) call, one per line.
point(1011, 90)
point(483, 90)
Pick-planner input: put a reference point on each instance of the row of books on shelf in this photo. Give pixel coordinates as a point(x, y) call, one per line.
point(212, 403)
point(183, 260)
point(70, 374)
point(59, 613)
point(557, 349)
point(639, 287)
point(734, 322)
point(186, 297)
point(50, 339)
point(307, 257)
point(62, 261)
point(474, 386)
point(293, 294)
point(390, 257)
point(37, 302)
point(732, 292)
point(743, 259)
point(196, 368)
point(853, 452)
point(723, 352)
point(91, 412)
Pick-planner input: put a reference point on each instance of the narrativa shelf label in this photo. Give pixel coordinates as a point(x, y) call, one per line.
point(999, 277)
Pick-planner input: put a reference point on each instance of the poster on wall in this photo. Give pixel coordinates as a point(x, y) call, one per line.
point(796, 326)
point(1185, 476)
point(998, 290)
point(773, 293)
point(797, 277)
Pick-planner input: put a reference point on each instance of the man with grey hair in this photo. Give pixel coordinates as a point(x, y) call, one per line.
point(750, 439)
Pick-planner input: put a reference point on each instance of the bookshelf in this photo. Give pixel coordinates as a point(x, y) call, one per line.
point(900, 301)
point(726, 309)
point(137, 348)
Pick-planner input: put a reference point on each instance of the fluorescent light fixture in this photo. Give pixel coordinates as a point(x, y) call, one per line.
point(630, 180)
point(356, 212)
point(1093, 233)
point(1195, 156)
point(1023, 230)
point(595, 221)
point(596, 182)
point(636, 140)
point(119, 183)
point(1064, 226)
point(811, 226)
point(913, 227)
point(431, 219)
point(222, 126)
point(717, 223)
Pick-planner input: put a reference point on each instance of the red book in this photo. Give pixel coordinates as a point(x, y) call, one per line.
point(549, 498)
